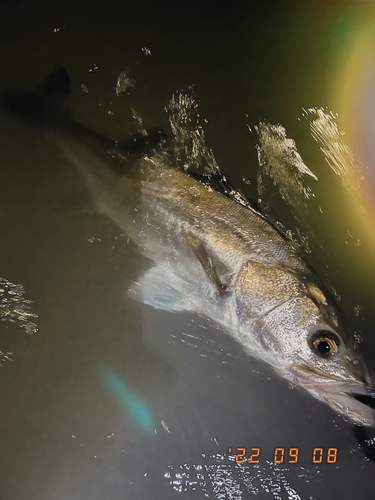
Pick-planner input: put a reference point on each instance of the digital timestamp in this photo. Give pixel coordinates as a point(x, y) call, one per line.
point(291, 456)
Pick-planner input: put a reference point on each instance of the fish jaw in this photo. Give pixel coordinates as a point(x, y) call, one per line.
point(340, 396)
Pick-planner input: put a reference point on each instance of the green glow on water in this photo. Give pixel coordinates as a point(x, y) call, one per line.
point(133, 406)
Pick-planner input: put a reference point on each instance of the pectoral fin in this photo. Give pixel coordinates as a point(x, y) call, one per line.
point(161, 288)
point(205, 259)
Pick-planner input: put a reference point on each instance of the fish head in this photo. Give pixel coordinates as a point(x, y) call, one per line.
point(299, 331)
point(331, 370)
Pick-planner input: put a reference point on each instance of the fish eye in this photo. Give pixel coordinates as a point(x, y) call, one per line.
point(325, 343)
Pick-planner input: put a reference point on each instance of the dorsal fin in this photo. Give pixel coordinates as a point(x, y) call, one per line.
point(221, 184)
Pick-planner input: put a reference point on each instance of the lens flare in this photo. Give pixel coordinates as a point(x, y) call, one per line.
point(353, 95)
point(133, 406)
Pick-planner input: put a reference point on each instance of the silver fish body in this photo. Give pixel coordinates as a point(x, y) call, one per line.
point(214, 256)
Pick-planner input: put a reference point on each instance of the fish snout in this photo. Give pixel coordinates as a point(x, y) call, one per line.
point(351, 397)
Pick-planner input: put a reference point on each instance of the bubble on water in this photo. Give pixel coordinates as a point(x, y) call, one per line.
point(15, 309)
point(223, 479)
point(5, 356)
point(94, 68)
point(165, 426)
point(31, 328)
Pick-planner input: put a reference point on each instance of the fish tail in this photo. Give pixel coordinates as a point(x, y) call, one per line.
point(48, 103)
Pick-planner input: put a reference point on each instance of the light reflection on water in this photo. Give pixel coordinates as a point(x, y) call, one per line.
point(14, 308)
point(219, 477)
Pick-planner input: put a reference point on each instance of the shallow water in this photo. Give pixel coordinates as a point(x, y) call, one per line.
point(67, 430)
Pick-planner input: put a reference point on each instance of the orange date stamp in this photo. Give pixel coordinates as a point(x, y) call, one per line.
point(282, 455)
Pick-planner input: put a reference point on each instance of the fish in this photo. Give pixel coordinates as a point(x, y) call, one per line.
point(210, 253)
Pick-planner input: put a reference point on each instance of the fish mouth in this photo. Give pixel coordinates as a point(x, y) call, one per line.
point(356, 405)
point(366, 399)
point(350, 399)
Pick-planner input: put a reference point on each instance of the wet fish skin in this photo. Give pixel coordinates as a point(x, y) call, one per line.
point(269, 300)
point(216, 257)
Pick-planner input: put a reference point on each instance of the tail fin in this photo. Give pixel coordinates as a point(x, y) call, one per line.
point(47, 103)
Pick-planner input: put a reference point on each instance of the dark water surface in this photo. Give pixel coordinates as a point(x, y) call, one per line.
point(66, 430)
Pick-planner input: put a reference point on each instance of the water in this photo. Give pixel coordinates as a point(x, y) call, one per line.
point(64, 433)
